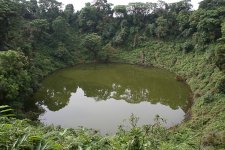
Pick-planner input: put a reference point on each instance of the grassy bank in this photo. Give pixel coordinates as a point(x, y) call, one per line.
point(206, 126)
point(205, 129)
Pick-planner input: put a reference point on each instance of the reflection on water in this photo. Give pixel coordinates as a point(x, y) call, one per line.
point(102, 96)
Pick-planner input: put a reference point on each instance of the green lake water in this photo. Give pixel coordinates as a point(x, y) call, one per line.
point(103, 96)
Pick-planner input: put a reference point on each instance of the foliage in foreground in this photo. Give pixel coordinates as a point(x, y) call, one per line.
point(24, 134)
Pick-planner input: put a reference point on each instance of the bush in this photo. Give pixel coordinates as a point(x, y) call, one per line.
point(208, 98)
point(221, 85)
point(106, 53)
point(62, 53)
point(92, 42)
point(220, 57)
point(187, 47)
point(120, 38)
point(15, 79)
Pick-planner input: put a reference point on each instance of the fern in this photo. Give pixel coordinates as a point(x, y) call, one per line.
point(6, 111)
point(19, 142)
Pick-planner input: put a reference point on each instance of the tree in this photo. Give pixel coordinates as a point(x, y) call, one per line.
point(120, 37)
point(220, 51)
point(108, 32)
point(207, 23)
point(139, 11)
point(59, 26)
point(150, 30)
point(220, 57)
point(223, 32)
point(120, 11)
point(211, 4)
point(106, 53)
point(62, 53)
point(9, 12)
point(69, 12)
point(38, 29)
point(211, 26)
point(31, 10)
point(161, 8)
point(182, 6)
point(92, 42)
point(49, 9)
point(162, 27)
point(88, 18)
point(104, 9)
point(14, 76)
point(183, 21)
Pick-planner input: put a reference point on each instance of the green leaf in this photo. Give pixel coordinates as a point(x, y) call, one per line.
point(4, 106)
point(6, 110)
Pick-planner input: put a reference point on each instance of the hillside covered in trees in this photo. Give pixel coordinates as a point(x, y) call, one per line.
point(39, 37)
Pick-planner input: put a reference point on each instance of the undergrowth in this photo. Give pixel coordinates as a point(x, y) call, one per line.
point(206, 128)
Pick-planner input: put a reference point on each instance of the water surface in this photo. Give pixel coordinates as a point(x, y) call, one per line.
point(101, 96)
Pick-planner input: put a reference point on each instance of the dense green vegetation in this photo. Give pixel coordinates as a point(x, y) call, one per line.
point(36, 38)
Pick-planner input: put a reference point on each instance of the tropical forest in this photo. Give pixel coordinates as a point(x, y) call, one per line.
point(142, 76)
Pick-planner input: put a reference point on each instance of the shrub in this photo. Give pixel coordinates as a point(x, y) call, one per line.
point(220, 57)
point(208, 98)
point(187, 47)
point(14, 76)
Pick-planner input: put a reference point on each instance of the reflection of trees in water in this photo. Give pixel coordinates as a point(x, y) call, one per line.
point(130, 94)
point(133, 86)
point(119, 92)
point(32, 109)
point(55, 97)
